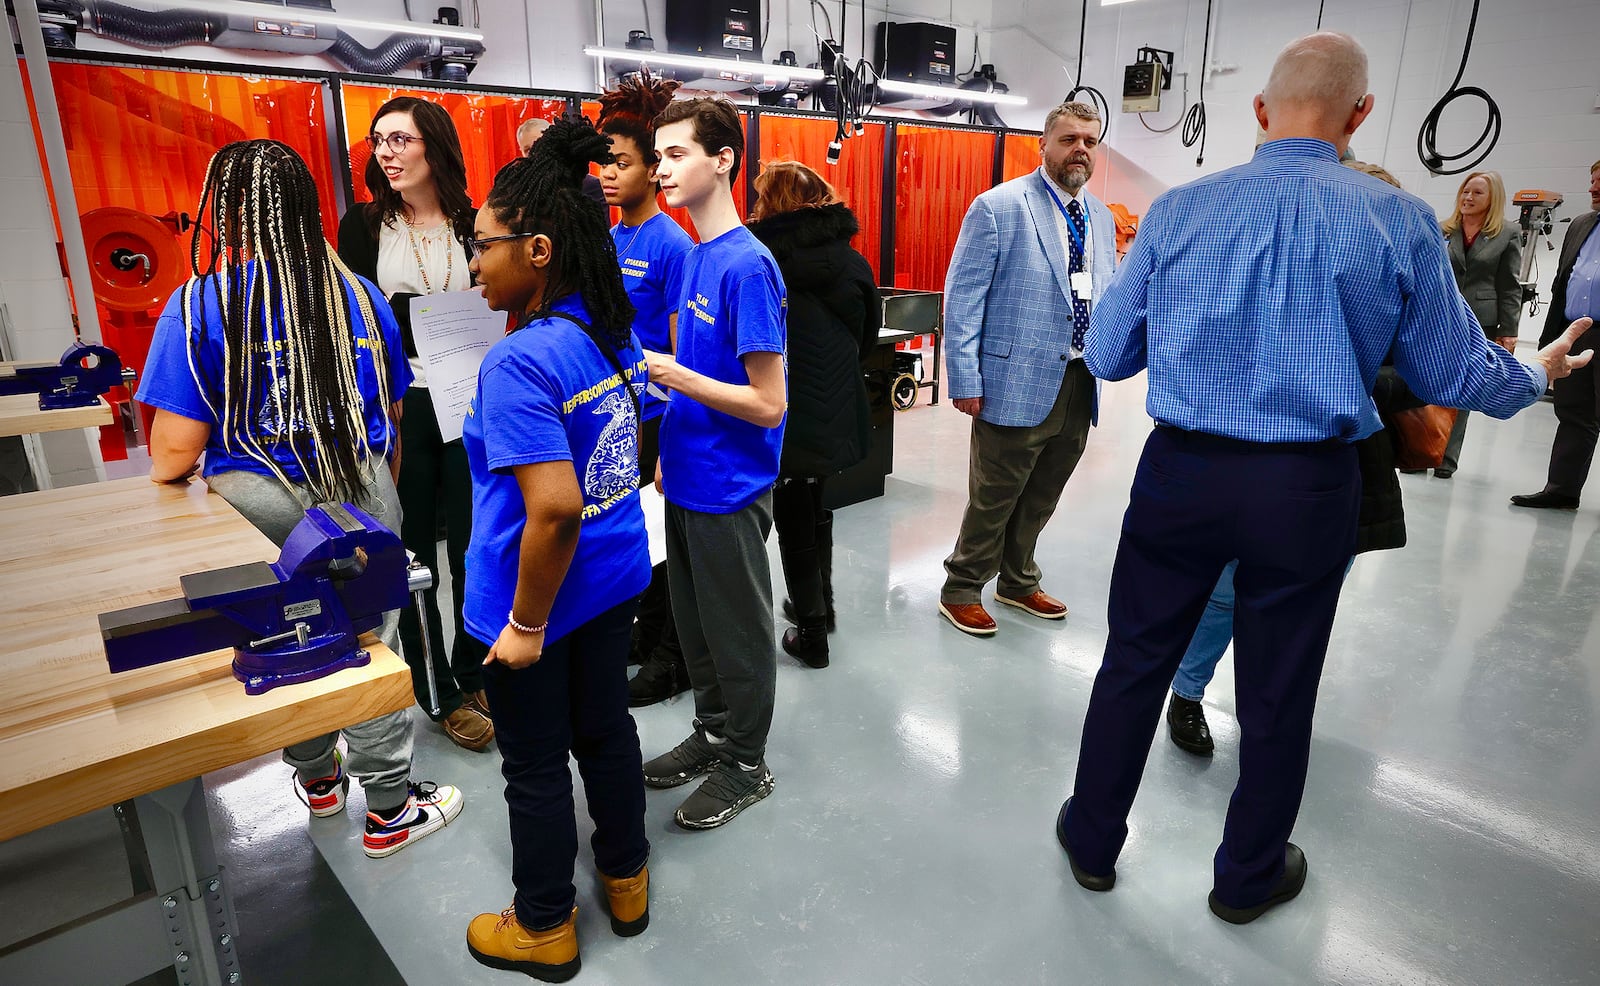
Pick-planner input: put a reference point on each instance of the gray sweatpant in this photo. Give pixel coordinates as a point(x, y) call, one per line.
point(721, 585)
point(379, 749)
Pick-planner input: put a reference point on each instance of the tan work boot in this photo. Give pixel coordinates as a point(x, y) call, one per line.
point(500, 941)
point(468, 728)
point(629, 899)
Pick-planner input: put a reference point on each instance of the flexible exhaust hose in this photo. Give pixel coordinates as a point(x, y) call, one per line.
point(170, 28)
point(155, 28)
point(393, 54)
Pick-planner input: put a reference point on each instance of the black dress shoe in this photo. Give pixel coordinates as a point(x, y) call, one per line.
point(1288, 888)
point(1186, 721)
point(1086, 880)
point(1546, 500)
point(1443, 473)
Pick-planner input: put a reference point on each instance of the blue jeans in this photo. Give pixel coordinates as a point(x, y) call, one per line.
point(1210, 640)
point(1212, 637)
point(573, 702)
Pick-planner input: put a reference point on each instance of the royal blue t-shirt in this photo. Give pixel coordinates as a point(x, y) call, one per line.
point(547, 394)
point(187, 376)
point(734, 304)
point(651, 255)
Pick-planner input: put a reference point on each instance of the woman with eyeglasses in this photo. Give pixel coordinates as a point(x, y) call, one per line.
point(558, 556)
point(410, 240)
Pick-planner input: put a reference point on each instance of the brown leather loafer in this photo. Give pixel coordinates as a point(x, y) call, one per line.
point(480, 701)
point(468, 728)
point(1036, 602)
point(968, 618)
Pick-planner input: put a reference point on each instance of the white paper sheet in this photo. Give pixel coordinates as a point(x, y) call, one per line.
point(453, 331)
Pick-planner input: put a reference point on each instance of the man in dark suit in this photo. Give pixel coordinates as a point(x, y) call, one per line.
point(1575, 294)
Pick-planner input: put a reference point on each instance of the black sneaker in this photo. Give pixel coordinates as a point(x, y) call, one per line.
point(681, 764)
point(730, 789)
point(657, 681)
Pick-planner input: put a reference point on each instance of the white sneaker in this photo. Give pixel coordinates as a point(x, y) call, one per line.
point(429, 807)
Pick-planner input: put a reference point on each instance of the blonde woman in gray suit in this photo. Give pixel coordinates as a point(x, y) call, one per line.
point(1486, 254)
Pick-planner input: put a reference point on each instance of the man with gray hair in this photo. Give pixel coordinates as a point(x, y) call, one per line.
point(528, 133)
point(1263, 333)
point(1032, 255)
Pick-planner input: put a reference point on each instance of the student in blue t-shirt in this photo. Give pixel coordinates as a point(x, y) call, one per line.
point(558, 555)
point(291, 390)
point(720, 445)
point(650, 249)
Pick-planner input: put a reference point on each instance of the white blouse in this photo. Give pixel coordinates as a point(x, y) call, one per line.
point(443, 266)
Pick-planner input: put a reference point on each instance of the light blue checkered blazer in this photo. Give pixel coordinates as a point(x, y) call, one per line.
point(1008, 304)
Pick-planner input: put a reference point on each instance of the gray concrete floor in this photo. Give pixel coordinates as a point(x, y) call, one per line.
point(1451, 817)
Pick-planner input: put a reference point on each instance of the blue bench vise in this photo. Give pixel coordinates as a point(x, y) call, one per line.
point(293, 620)
point(69, 383)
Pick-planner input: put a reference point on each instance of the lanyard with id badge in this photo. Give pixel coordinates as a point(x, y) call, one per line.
point(1081, 282)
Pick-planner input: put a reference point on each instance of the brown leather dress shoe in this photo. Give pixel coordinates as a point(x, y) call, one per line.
point(968, 618)
point(468, 728)
point(1036, 602)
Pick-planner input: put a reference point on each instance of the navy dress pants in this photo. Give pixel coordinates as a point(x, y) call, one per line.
point(1288, 513)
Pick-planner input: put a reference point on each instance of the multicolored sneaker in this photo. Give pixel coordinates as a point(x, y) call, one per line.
point(325, 795)
point(428, 808)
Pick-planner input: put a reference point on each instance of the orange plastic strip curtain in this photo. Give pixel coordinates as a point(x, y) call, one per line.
point(857, 178)
point(141, 138)
point(1021, 155)
point(940, 172)
point(139, 141)
point(486, 123)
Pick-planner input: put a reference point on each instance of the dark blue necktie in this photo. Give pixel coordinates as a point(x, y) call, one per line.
point(1080, 308)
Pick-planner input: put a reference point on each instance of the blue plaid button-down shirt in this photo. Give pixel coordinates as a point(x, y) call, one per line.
point(1264, 298)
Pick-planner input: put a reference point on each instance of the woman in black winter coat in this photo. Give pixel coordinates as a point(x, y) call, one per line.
point(834, 315)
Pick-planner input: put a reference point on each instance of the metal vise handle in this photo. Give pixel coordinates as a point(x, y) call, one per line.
point(419, 579)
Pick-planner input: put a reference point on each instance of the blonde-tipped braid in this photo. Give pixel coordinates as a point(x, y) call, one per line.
point(281, 291)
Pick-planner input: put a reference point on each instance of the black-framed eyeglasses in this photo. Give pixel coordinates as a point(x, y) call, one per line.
point(476, 246)
point(397, 141)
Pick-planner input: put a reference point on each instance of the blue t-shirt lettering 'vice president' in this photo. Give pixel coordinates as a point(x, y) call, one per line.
point(734, 304)
point(547, 394)
point(651, 255)
point(187, 377)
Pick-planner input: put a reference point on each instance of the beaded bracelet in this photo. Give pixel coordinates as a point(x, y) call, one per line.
point(512, 619)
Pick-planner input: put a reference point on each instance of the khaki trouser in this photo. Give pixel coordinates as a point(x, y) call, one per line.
point(1014, 479)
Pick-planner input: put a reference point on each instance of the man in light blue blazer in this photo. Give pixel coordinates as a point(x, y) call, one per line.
point(1032, 255)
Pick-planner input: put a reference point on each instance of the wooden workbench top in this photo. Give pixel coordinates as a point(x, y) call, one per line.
point(73, 736)
point(20, 415)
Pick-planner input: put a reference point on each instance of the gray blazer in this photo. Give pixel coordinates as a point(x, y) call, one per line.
point(1487, 276)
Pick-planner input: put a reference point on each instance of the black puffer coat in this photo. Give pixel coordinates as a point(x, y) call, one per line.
point(1383, 516)
point(834, 315)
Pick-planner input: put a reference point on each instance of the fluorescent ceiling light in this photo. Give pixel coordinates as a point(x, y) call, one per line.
point(715, 65)
point(1113, 3)
point(951, 93)
point(302, 15)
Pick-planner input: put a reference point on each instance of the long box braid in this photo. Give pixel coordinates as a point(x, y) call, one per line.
point(261, 202)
